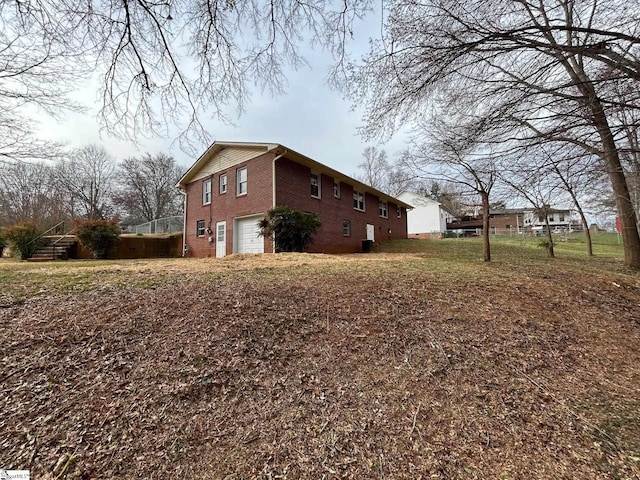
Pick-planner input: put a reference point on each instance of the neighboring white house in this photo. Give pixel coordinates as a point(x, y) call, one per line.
point(427, 219)
point(559, 220)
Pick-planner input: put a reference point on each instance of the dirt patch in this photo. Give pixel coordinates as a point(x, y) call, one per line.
point(324, 367)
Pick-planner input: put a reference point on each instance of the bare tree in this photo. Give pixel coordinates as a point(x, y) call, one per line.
point(29, 193)
point(375, 168)
point(454, 153)
point(448, 194)
point(147, 187)
point(577, 177)
point(554, 61)
point(378, 172)
point(164, 64)
point(36, 73)
point(88, 178)
point(530, 179)
point(628, 134)
point(401, 180)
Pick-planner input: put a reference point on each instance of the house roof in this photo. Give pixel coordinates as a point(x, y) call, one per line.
point(215, 148)
point(285, 152)
point(506, 211)
point(510, 211)
point(417, 200)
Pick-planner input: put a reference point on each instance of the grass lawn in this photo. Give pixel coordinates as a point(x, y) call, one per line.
point(418, 361)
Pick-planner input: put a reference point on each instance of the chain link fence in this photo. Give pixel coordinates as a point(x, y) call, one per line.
point(161, 225)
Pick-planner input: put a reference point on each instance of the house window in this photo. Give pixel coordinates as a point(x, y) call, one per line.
point(346, 228)
point(561, 217)
point(551, 218)
point(206, 192)
point(223, 183)
point(384, 213)
point(200, 228)
point(358, 200)
point(241, 181)
point(315, 185)
point(399, 212)
point(336, 189)
point(541, 218)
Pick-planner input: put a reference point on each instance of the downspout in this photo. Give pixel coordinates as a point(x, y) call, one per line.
point(273, 173)
point(184, 224)
point(273, 182)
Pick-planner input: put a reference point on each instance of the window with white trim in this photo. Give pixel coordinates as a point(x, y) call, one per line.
point(206, 192)
point(358, 200)
point(241, 181)
point(336, 189)
point(223, 183)
point(383, 208)
point(346, 228)
point(399, 212)
point(200, 228)
point(315, 185)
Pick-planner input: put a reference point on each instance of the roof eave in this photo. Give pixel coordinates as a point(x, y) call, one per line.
point(214, 148)
point(285, 152)
point(300, 158)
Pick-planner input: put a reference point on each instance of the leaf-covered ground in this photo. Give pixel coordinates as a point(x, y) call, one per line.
point(312, 366)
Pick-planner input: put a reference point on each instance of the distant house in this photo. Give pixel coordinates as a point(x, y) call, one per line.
point(560, 220)
point(229, 189)
point(509, 221)
point(427, 219)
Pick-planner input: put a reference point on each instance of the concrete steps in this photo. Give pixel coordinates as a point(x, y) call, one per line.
point(51, 252)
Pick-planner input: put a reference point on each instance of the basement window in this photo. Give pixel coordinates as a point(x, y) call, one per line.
point(346, 228)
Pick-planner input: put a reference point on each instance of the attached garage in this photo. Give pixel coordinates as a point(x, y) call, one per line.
point(246, 238)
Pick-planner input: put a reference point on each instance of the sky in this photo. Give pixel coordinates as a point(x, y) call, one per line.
point(309, 118)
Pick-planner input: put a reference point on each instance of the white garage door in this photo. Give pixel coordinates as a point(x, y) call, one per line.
point(246, 235)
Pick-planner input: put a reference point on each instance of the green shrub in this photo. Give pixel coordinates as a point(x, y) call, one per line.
point(3, 241)
point(98, 236)
point(24, 238)
point(291, 229)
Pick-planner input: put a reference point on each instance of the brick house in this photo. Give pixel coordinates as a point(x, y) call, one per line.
point(229, 189)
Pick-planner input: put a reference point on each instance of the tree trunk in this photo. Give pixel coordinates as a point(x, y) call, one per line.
point(549, 245)
point(587, 232)
point(611, 157)
point(626, 212)
point(486, 246)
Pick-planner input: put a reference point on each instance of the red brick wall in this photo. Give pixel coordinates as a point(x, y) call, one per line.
point(227, 206)
point(501, 221)
point(293, 183)
point(294, 190)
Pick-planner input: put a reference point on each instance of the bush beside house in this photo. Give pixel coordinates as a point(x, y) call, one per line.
point(98, 236)
point(3, 241)
point(24, 238)
point(291, 229)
